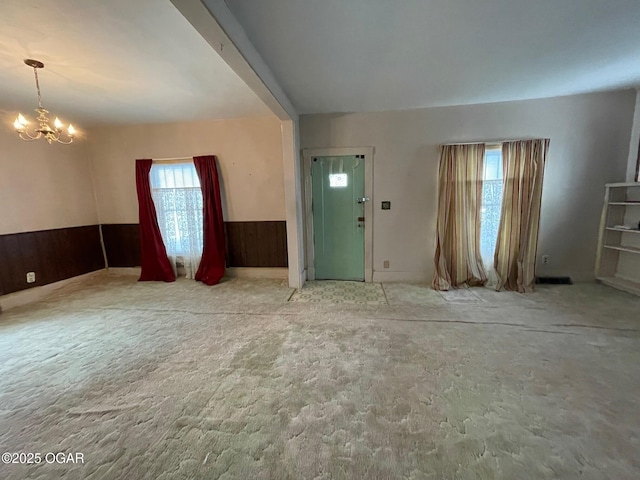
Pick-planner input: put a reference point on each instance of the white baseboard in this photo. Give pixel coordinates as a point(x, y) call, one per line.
point(124, 271)
point(230, 272)
point(408, 277)
point(251, 272)
point(24, 297)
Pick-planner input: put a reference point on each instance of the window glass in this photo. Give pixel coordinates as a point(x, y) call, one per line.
point(178, 175)
point(493, 164)
point(176, 192)
point(492, 187)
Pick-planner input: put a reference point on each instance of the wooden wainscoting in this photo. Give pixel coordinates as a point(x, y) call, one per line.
point(53, 255)
point(122, 244)
point(249, 244)
point(256, 244)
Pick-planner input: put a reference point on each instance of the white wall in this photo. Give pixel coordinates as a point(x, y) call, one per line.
point(249, 153)
point(43, 186)
point(589, 135)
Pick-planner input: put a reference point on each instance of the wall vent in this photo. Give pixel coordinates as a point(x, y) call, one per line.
point(554, 280)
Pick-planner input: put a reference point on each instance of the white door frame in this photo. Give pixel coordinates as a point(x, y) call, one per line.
point(307, 155)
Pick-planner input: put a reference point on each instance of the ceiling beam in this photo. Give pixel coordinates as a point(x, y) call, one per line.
point(219, 27)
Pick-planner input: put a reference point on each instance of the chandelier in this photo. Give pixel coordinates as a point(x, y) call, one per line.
point(43, 129)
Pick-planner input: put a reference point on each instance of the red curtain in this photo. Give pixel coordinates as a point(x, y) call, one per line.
point(155, 264)
point(211, 268)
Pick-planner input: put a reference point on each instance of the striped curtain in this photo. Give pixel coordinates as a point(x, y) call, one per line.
point(515, 258)
point(458, 261)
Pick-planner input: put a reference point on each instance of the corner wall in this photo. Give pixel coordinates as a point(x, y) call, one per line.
point(49, 219)
point(44, 186)
point(589, 135)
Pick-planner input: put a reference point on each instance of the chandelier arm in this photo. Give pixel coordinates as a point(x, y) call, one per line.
point(24, 135)
point(55, 137)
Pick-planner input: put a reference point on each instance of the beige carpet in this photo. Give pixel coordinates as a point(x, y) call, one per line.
point(184, 381)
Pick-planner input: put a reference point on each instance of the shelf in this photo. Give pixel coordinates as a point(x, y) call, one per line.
point(623, 230)
point(622, 248)
point(622, 184)
point(620, 209)
point(621, 284)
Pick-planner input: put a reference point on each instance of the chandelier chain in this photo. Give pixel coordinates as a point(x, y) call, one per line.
point(35, 72)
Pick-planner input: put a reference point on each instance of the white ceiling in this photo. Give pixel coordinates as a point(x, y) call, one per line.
point(136, 61)
point(114, 62)
point(363, 55)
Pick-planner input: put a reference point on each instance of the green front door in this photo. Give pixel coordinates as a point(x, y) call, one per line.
point(338, 217)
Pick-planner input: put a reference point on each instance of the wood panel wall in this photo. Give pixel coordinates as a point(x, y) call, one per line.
point(122, 244)
point(53, 255)
point(63, 253)
point(256, 244)
point(249, 244)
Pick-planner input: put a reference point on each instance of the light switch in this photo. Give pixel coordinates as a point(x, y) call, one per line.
point(386, 205)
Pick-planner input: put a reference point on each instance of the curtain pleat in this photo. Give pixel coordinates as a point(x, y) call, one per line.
point(212, 264)
point(516, 248)
point(458, 261)
point(155, 264)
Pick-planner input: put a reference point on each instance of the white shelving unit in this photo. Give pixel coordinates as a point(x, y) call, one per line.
point(618, 258)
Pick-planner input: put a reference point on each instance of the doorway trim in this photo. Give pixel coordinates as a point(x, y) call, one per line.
point(307, 155)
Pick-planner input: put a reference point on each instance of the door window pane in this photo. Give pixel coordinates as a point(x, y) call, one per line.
point(338, 180)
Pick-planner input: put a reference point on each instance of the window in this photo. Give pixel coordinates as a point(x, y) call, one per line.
point(337, 180)
point(492, 187)
point(176, 193)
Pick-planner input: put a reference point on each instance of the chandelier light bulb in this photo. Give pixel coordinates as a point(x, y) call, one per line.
point(58, 124)
point(21, 120)
point(17, 125)
point(71, 131)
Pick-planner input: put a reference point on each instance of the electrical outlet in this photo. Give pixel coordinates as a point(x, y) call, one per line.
point(545, 259)
point(31, 277)
point(385, 264)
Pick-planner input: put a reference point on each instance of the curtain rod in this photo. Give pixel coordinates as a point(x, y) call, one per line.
point(172, 160)
point(488, 142)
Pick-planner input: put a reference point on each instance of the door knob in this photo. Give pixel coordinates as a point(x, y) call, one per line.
point(363, 199)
